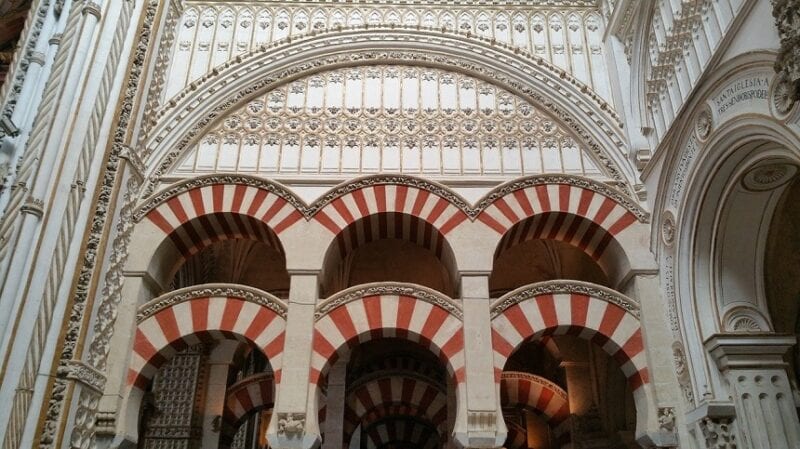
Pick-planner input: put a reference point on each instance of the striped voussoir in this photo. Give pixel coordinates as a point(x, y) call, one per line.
point(609, 326)
point(406, 396)
point(535, 393)
point(517, 436)
point(390, 225)
point(402, 432)
point(388, 316)
point(577, 231)
point(249, 395)
point(377, 199)
point(204, 215)
point(512, 208)
point(204, 320)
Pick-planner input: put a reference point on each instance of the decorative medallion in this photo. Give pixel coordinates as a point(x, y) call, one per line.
point(782, 99)
point(668, 228)
point(768, 176)
point(704, 124)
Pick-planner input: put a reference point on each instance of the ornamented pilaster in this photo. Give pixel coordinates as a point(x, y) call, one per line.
point(787, 18)
point(755, 370)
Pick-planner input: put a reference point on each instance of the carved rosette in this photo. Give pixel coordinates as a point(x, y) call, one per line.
point(768, 176)
point(668, 228)
point(703, 124)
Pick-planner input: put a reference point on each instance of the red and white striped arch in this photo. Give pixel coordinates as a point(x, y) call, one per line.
point(201, 320)
point(383, 198)
point(580, 232)
point(392, 225)
point(200, 216)
point(608, 325)
point(517, 436)
point(408, 393)
point(387, 316)
point(535, 393)
point(506, 211)
point(400, 432)
point(248, 395)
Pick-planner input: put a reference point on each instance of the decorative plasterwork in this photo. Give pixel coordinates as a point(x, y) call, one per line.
point(83, 373)
point(556, 92)
point(558, 287)
point(787, 18)
point(766, 177)
point(388, 288)
point(245, 293)
point(308, 210)
point(668, 228)
point(210, 33)
point(389, 119)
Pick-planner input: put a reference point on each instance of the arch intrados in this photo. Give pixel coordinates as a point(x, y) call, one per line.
point(581, 233)
point(553, 415)
point(600, 129)
point(370, 229)
point(372, 433)
point(234, 396)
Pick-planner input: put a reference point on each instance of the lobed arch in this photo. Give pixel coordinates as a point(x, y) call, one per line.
point(597, 314)
point(590, 119)
point(205, 313)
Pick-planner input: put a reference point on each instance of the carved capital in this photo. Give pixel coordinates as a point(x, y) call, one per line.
point(291, 425)
point(93, 9)
point(33, 206)
point(86, 375)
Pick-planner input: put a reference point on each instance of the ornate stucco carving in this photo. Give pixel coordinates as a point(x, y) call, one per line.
point(197, 120)
point(388, 288)
point(83, 431)
point(245, 293)
point(719, 433)
point(787, 18)
point(556, 287)
point(291, 425)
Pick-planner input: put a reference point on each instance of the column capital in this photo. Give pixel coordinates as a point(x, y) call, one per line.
point(743, 351)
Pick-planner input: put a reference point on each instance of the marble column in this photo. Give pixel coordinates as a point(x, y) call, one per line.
point(759, 385)
point(335, 403)
point(219, 364)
